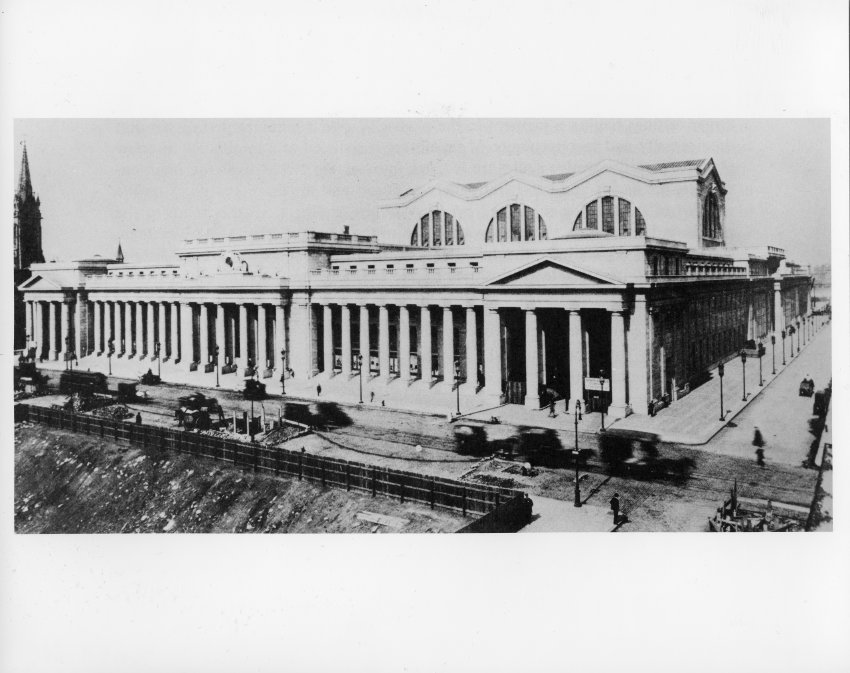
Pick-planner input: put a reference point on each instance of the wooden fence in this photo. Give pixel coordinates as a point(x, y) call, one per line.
point(352, 476)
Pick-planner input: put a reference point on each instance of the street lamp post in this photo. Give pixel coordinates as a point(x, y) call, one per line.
point(251, 420)
point(744, 373)
point(577, 416)
point(797, 330)
point(773, 351)
point(156, 353)
point(720, 374)
point(283, 372)
point(457, 384)
point(360, 371)
point(760, 352)
point(783, 347)
point(216, 352)
point(109, 351)
point(601, 397)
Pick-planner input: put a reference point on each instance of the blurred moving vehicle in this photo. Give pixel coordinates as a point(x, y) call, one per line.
point(197, 411)
point(807, 387)
point(631, 453)
point(254, 390)
point(150, 379)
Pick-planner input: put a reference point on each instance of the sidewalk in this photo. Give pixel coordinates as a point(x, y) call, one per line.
point(695, 418)
point(561, 516)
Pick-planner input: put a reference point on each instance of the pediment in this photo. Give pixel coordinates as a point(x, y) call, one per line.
point(39, 283)
point(548, 273)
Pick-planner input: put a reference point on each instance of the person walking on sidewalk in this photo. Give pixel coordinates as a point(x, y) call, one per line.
point(758, 442)
point(615, 507)
point(552, 408)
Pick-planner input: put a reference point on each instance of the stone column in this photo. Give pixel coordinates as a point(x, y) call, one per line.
point(532, 366)
point(364, 338)
point(425, 341)
point(141, 347)
point(64, 329)
point(186, 354)
point(243, 336)
point(778, 313)
point(29, 320)
point(576, 372)
point(404, 343)
point(98, 334)
point(279, 334)
point(384, 341)
point(204, 337)
point(619, 407)
point(492, 352)
point(327, 340)
point(300, 354)
point(151, 343)
point(109, 326)
point(119, 328)
point(163, 333)
point(38, 336)
point(78, 324)
point(471, 348)
point(751, 331)
point(448, 346)
point(175, 332)
point(219, 336)
point(639, 379)
point(262, 342)
point(346, 340)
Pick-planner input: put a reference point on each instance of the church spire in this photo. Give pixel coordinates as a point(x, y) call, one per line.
point(120, 254)
point(24, 182)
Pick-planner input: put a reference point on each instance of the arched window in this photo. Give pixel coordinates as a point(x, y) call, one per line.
point(516, 222)
point(613, 215)
point(437, 228)
point(711, 217)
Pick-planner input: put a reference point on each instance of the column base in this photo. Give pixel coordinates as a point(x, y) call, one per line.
point(617, 411)
point(532, 401)
point(53, 355)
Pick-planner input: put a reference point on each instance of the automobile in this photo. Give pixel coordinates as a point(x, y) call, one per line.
point(807, 387)
point(630, 452)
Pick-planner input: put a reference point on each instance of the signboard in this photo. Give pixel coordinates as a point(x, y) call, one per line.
point(595, 383)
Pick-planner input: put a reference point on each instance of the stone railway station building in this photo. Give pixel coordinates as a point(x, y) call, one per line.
point(613, 285)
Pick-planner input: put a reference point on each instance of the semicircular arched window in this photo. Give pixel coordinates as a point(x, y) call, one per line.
point(612, 215)
point(436, 229)
point(516, 222)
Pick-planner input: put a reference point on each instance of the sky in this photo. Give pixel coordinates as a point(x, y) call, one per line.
point(152, 182)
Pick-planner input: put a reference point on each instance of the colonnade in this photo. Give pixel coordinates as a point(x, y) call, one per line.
point(337, 320)
point(176, 331)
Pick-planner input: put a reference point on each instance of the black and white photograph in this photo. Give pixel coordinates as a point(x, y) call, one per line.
point(301, 292)
point(241, 345)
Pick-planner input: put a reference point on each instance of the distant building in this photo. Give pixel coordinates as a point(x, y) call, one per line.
point(613, 285)
point(26, 243)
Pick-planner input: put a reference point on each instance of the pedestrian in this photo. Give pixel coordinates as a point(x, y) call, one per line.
point(319, 390)
point(383, 404)
point(758, 442)
point(139, 418)
point(615, 507)
point(552, 408)
point(372, 396)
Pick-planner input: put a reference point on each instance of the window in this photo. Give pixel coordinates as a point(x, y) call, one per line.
point(529, 224)
point(611, 214)
point(640, 224)
point(516, 222)
point(516, 231)
point(711, 217)
point(608, 214)
point(625, 217)
point(435, 229)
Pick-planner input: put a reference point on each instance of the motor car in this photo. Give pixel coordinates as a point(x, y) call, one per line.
point(807, 388)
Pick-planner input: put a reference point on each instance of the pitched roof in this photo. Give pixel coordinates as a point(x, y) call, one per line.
point(690, 163)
